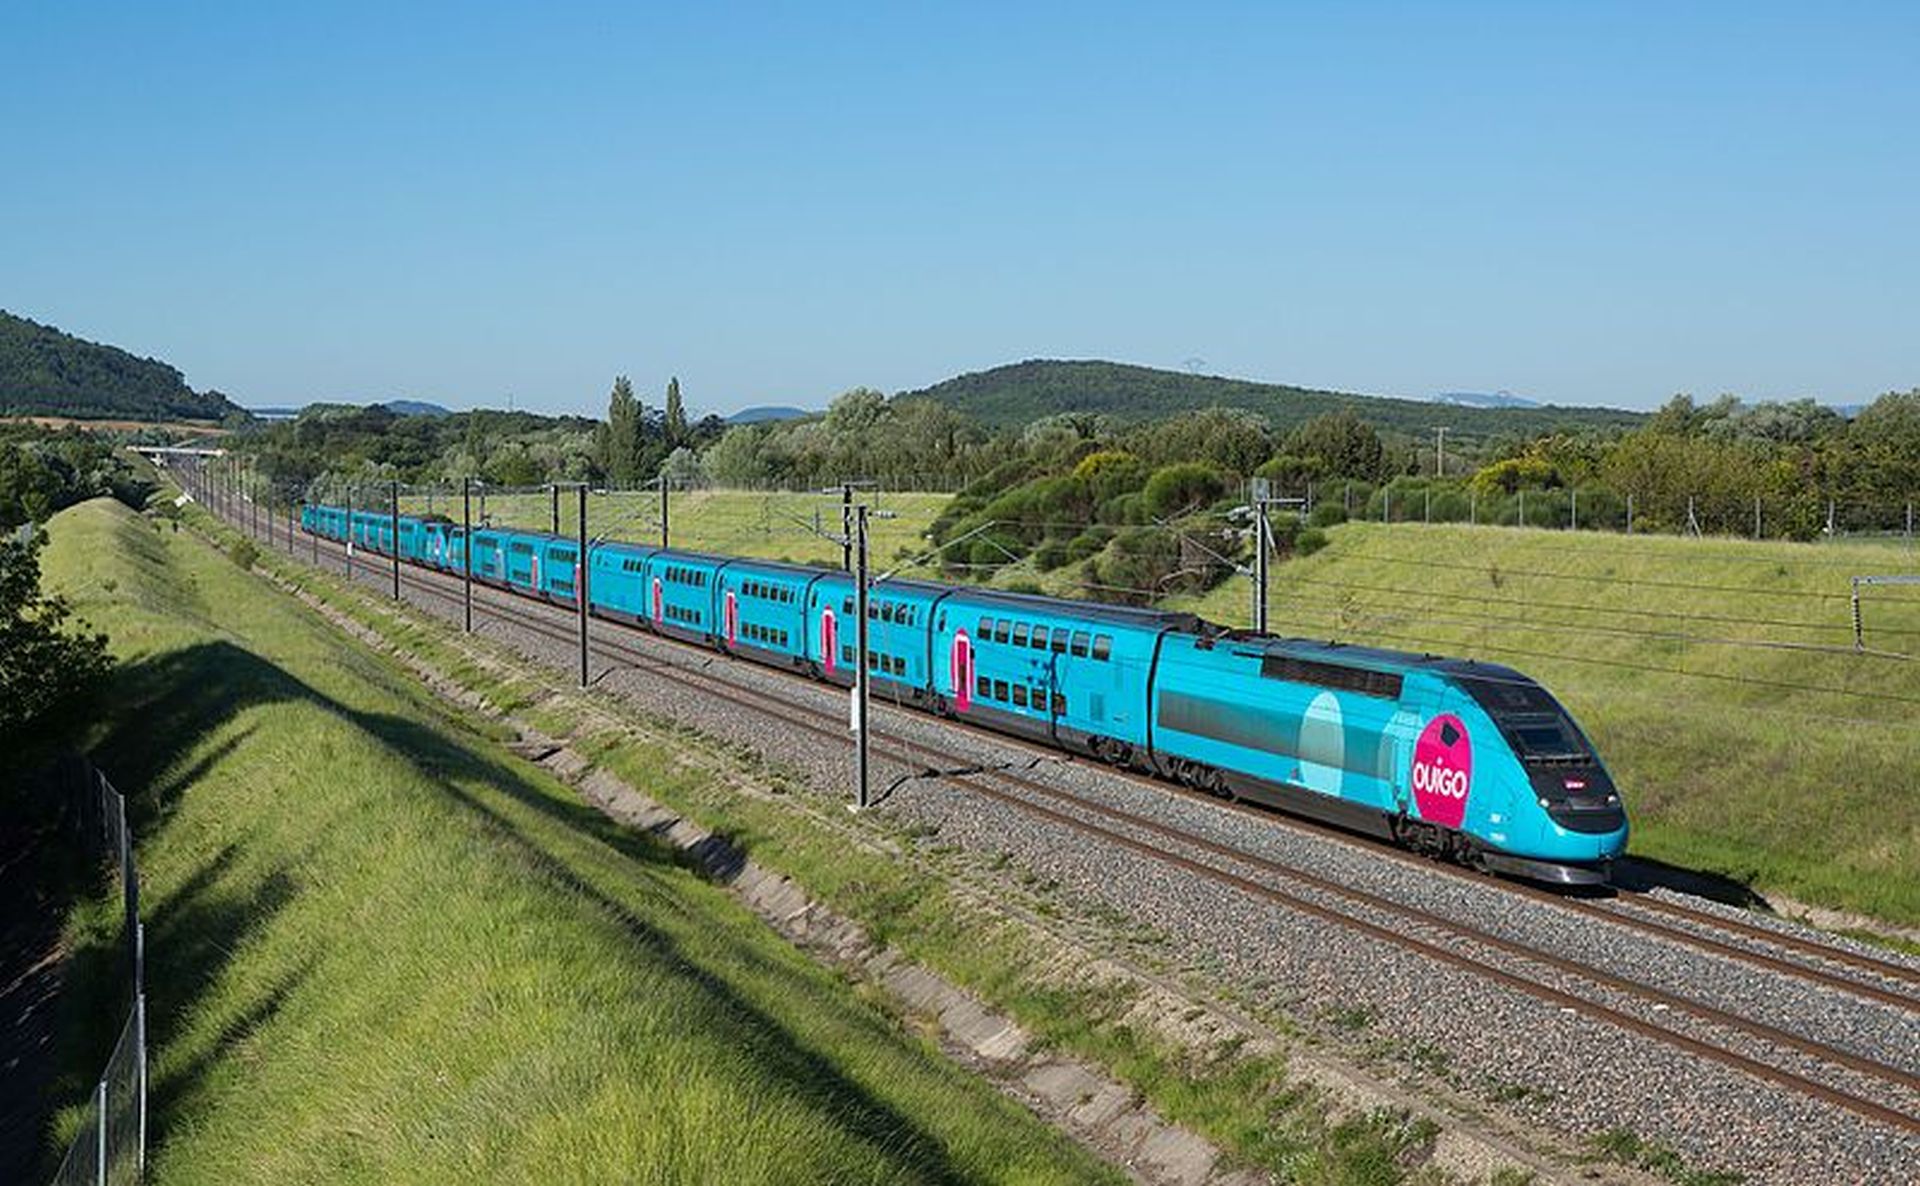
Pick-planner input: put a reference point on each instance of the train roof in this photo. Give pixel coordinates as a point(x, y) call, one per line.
point(1381, 658)
point(1092, 611)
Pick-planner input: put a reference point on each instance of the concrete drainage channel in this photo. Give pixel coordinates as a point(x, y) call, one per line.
point(1100, 1112)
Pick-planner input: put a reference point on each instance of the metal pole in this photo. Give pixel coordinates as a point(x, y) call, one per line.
point(1756, 516)
point(553, 489)
point(1629, 514)
point(394, 520)
point(666, 537)
point(1859, 640)
point(1473, 508)
point(466, 547)
point(846, 527)
point(1520, 519)
point(349, 535)
point(580, 580)
point(140, 1044)
point(1573, 512)
point(1262, 535)
point(862, 659)
point(1427, 514)
point(100, 1133)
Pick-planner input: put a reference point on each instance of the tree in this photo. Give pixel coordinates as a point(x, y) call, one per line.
point(624, 435)
point(42, 664)
point(676, 415)
point(1347, 446)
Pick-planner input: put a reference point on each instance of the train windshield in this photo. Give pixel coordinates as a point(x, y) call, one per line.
point(1545, 739)
point(1532, 720)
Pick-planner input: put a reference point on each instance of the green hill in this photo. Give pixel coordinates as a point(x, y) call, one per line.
point(1022, 392)
point(44, 372)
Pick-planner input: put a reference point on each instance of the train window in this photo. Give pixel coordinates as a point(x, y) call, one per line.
point(846, 607)
point(1102, 646)
point(1059, 705)
point(1020, 634)
point(1002, 630)
point(1019, 695)
point(846, 654)
point(1039, 638)
point(981, 687)
point(1059, 641)
point(1080, 641)
point(999, 689)
point(985, 632)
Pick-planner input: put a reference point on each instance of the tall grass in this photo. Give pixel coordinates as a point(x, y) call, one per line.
point(768, 525)
point(383, 950)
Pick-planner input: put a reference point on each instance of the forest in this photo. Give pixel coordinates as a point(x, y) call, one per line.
point(45, 372)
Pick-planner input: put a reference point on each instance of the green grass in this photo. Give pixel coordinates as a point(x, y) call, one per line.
point(1245, 1104)
point(1797, 780)
point(772, 526)
point(383, 950)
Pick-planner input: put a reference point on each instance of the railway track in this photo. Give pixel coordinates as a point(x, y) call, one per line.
point(1432, 936)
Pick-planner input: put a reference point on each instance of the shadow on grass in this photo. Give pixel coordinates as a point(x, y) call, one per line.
point(169, 702)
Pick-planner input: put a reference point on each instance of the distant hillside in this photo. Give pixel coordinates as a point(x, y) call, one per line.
point(45, 372)
point(414, 407)
point(763, 415)
point(1022, 392)
point(1481, 399)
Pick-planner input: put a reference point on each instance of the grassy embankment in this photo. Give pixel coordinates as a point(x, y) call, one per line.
point(1785, 768)
point(773, 526)
point(382, 949)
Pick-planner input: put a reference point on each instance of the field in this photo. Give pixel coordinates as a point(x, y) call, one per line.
point(382, 949)
point(1717, 678)
point(773, 526)
point(188, 427)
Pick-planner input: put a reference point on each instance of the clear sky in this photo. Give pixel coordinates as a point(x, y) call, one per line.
point(1588, 203)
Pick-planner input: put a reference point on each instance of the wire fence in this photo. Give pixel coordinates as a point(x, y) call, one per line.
point(110, 1147)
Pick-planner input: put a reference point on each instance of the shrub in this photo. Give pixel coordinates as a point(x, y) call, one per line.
point(1050, 555)
point(1327, 514)
point(1176, 487)
point(1309, 541)
point(243, 553)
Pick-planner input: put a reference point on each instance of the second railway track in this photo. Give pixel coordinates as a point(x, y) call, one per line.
point(1111, 824)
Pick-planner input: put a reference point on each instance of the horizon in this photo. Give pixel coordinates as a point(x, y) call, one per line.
point(1589, 208)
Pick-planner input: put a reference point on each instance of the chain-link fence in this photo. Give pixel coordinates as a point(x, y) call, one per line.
point(111, 1145)
point(1806, 515)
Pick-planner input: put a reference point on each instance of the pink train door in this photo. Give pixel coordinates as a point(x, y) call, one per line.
point(733, 618)
point(659, 602)
point(960, 664)
point(829, 641)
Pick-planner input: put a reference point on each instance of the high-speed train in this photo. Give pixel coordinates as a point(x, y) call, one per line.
point(1470, 761)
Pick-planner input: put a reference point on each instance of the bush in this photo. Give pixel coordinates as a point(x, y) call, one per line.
point(1088, 543)
point(1327, 514)
point(243, 553)
point(1050, 555)
point(1174, 488)
point(1309, 541)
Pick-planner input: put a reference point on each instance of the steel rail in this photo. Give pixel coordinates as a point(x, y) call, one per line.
point(764, 704)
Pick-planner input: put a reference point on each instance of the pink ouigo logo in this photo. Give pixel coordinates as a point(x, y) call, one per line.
point(1443, 771)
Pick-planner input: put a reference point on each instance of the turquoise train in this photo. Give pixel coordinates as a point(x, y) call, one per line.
point(1468, 761)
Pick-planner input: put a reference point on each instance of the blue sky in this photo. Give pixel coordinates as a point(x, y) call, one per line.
point(1583, 203)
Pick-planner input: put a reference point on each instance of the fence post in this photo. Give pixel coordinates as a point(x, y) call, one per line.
point(1573, 510)
point(1756, 516)
point(1629, 514)
point(1429, 511)
point(100, 1133)
point(1520, 518)
point(140, 1048)
point(1473, 508)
